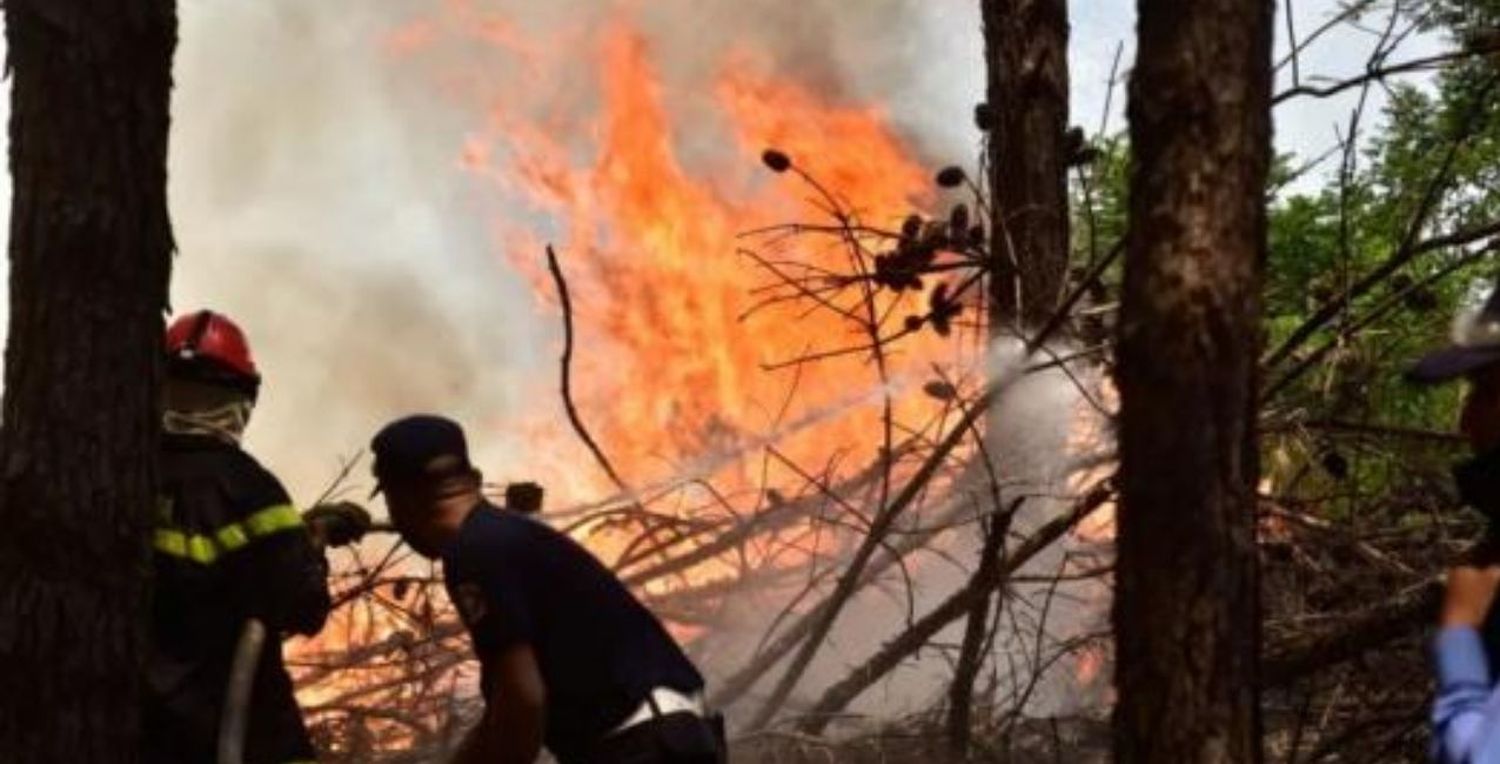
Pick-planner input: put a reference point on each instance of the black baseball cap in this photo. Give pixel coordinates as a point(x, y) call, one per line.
point(1475, 345)
point(415, 447)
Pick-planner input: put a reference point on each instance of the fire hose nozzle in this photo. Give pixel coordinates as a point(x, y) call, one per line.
point(525, 497)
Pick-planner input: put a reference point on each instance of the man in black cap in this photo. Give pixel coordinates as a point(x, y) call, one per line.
point(1466, 713)
point(569, 657)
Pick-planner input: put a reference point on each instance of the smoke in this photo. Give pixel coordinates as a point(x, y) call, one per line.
point(920, 59)
point(1046, 438)
point(313, 206)
point(318, 195)
point(319, 198)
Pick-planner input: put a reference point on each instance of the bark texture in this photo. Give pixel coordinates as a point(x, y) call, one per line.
point(90, 256)
point(1186, 611)
point(1026, 68)
point(1026, 58)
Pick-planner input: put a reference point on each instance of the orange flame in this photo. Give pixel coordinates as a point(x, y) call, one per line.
point(670, 367)
point(649, 212)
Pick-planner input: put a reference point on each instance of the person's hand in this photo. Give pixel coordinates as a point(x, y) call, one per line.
point(337, 524)
point(1471, 591)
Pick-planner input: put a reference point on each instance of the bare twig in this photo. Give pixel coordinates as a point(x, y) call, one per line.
point(567, 366)
point(837, 697)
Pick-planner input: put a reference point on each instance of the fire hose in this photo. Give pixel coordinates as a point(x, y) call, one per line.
point(234, 724)
point(330, 525)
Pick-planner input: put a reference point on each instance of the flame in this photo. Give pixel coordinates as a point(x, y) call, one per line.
point(1090, 436)
point(670, 366)
point(1090, 665)
point(648, 211)
point(362, 661)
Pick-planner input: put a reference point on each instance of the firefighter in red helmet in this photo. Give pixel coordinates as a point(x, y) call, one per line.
point(229, 547)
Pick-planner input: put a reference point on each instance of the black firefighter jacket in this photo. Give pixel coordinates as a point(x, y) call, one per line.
point(229, 546)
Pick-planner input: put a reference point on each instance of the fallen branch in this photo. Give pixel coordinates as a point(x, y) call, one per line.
point(841, 694)
point(740, 682)
point(1314, 649)
point(849, 581)
point(774, 517)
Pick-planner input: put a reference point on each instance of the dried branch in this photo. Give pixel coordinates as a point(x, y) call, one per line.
point(970, 660)
point(567, 364)
point(740, 682)
point(1379, 311)
point(1348, 636)
point(849, 580)
point(838, 696)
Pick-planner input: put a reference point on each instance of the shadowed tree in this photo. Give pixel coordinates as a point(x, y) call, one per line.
point(1026, 115)
point(1186, 612)
point(90, 256)
point(1026, 110)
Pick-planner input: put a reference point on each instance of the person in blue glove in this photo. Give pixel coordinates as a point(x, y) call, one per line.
point(1466, 712)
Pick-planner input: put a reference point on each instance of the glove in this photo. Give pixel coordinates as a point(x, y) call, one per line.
point(525, 498)
point(338, 524)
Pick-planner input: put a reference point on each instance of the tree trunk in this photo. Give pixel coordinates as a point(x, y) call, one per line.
point(1186, 607)
point(1026, 58)
point(1026, 66)
point(90, 255)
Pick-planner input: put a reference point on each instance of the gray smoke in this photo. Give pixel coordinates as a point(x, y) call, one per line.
point(1041, 416)
point(318, 196)
point(317, 201)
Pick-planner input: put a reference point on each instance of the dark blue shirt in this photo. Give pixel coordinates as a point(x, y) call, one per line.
point(516, 580)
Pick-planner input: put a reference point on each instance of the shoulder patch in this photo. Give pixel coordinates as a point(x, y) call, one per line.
point(469, 599)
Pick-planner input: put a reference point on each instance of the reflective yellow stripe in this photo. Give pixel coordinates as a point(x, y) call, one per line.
point(202, 549)
point(199, 549)
point(231, 537)
point(170, 542)
point(282, 517)
point(205, 550)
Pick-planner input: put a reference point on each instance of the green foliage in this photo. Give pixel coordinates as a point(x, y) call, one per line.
point(1355, 460)
point(1461, 19)
point(1325, 241)
point(1099, 200)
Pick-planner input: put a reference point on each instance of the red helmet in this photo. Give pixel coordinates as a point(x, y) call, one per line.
point(207, 346)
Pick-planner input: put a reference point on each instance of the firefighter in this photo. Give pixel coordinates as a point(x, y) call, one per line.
point(570, 659)
point(1466, 712)
point(229, 547)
